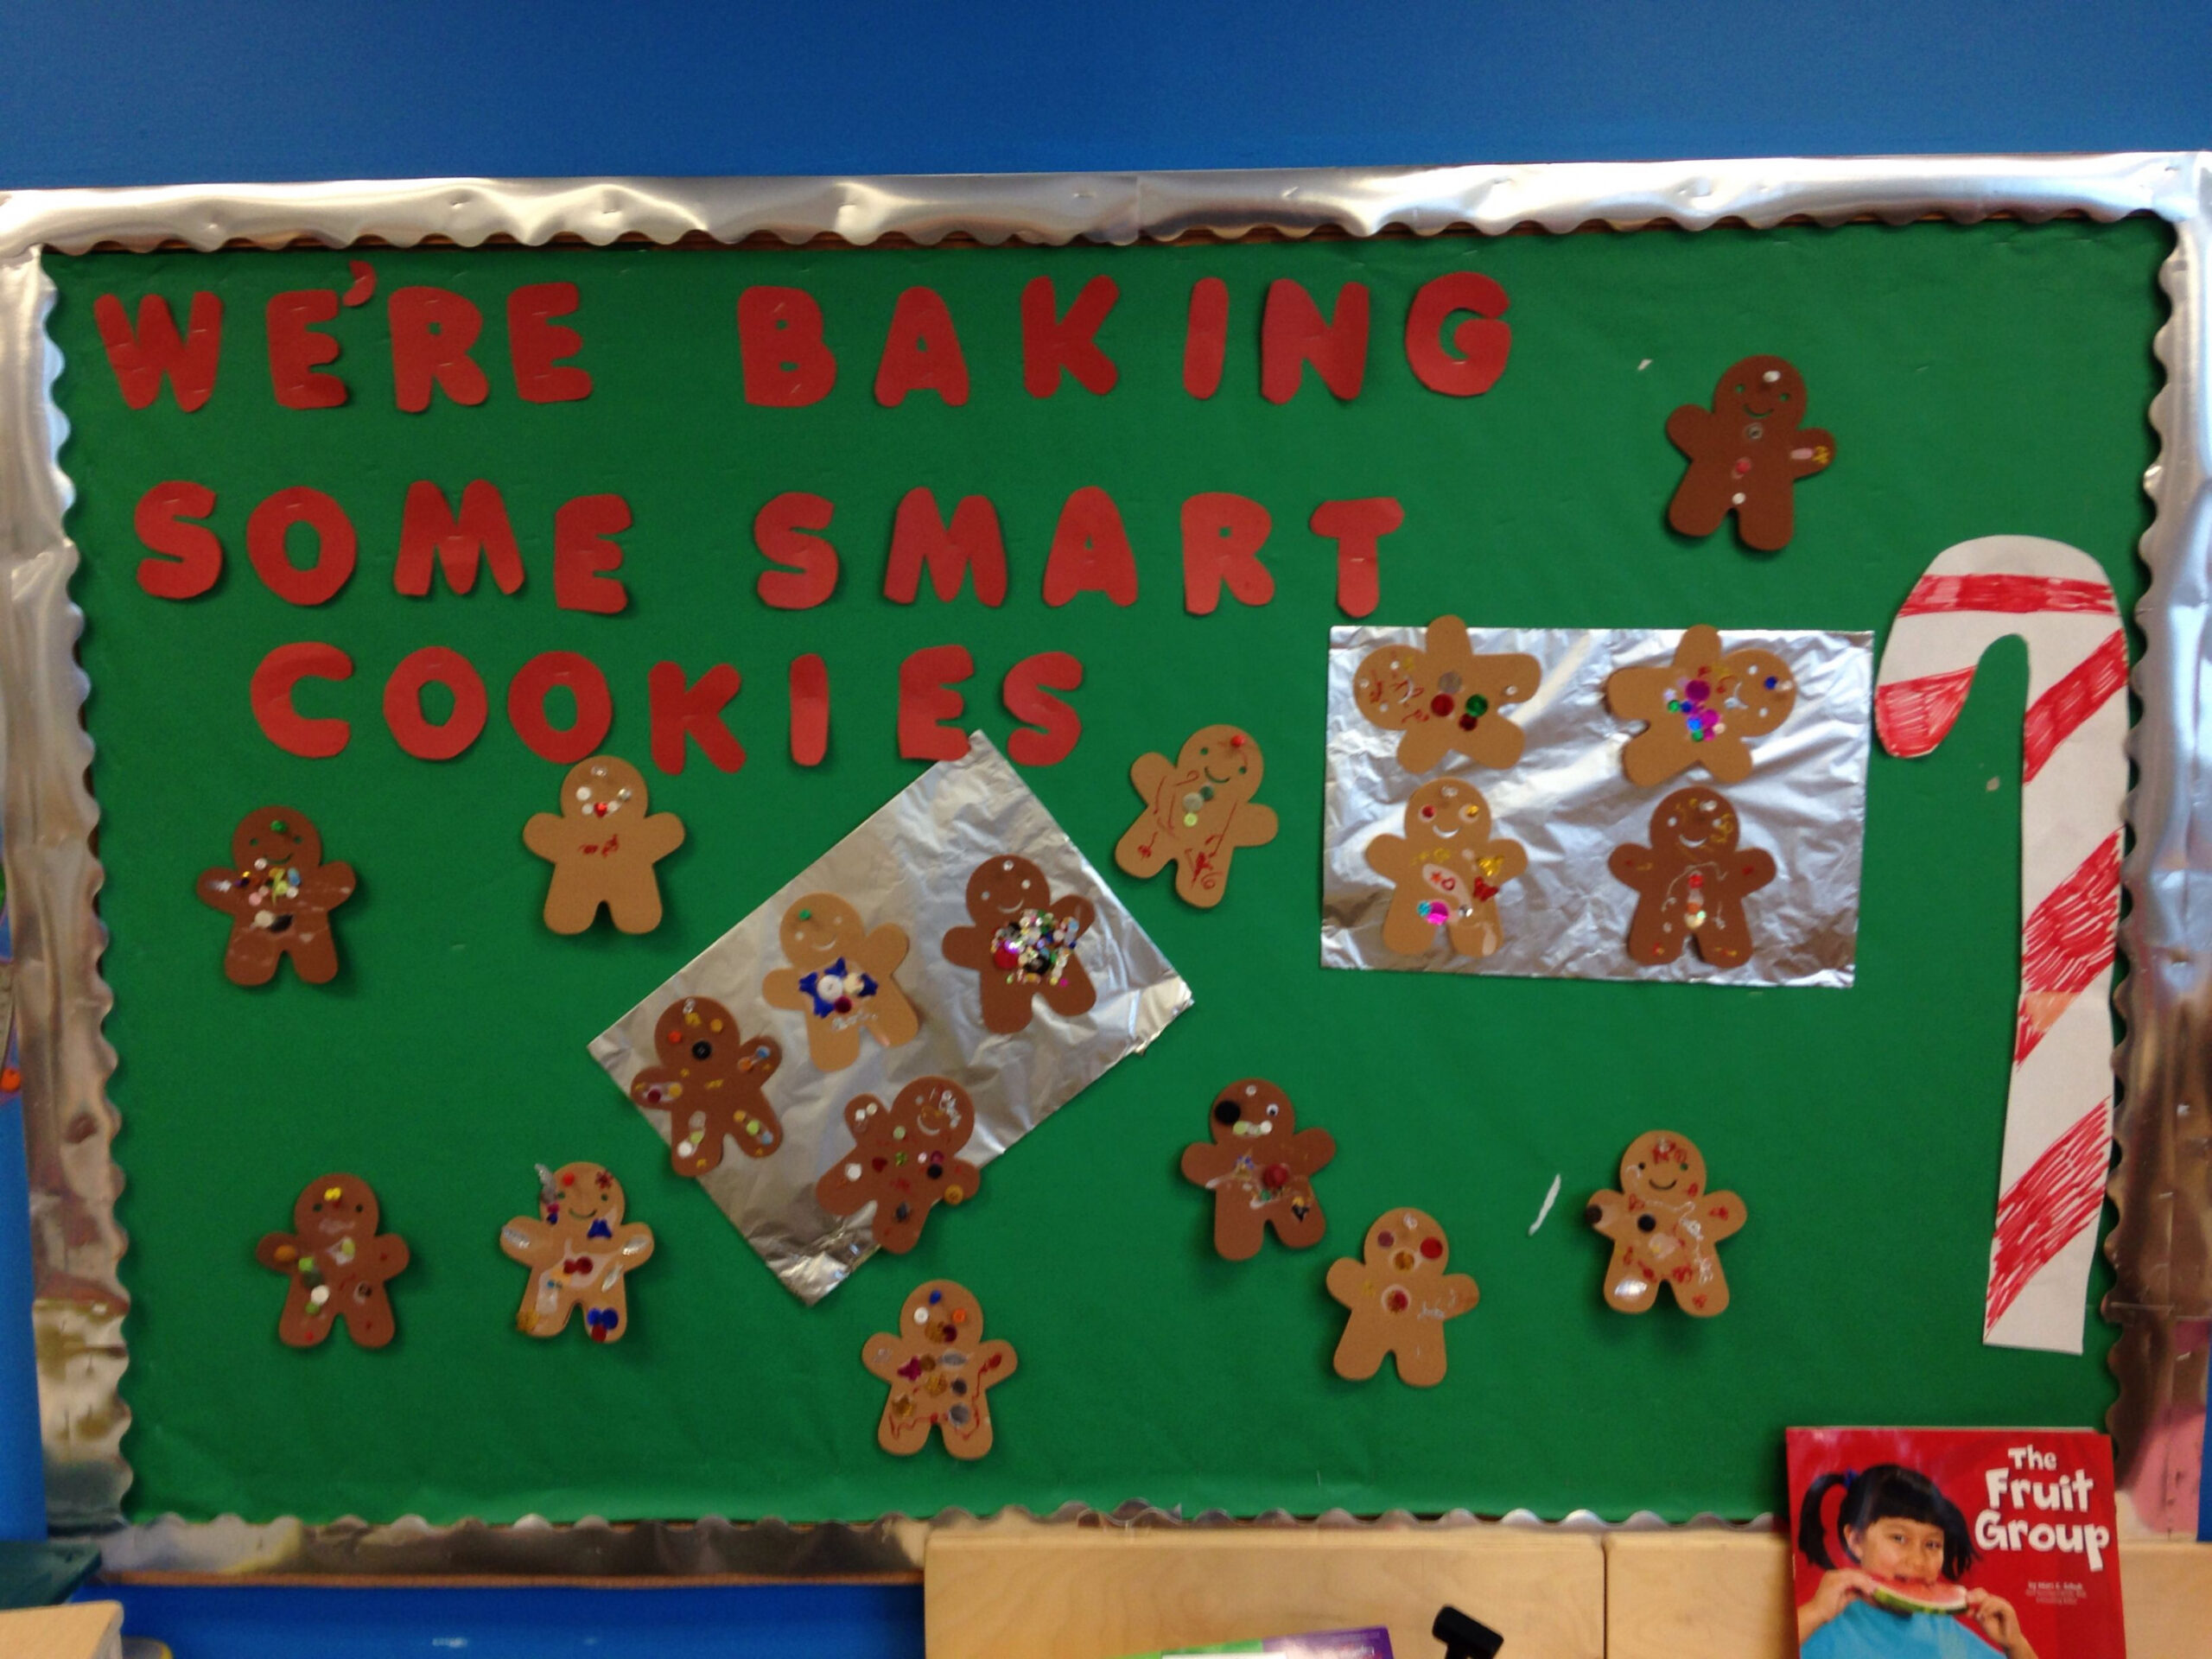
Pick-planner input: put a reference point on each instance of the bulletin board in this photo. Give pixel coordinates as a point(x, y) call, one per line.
point(1982, 379)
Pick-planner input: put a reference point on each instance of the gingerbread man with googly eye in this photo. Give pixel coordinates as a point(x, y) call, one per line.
point(1664, 1227)
point(1691, 880)
point(1259, 1167)
point(1400, 1296)
point(338, 1264)
point(840, 979)
point(278, 895)
point(940, 1369)
point(905, 1159)
point(1699, 709)
point(709, 1081)
point(1747, 453)
point(1447, 872)
point(603, 846)
point(1446, 698)
point(1198, 810)
point(580, 1252)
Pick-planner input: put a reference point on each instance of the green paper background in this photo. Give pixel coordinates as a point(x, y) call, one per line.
point(1980, 380)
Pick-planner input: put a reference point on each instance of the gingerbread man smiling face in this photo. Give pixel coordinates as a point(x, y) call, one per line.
point(338, 1264)
point(1259, 1167)
point(1699, 708)
point(905, 1158)
point(1447, 872)
point(1198, 810)
point(603, 846)
point(278, 895)
point(840, 979)
point(1022, 943)
point(1664, 1226)
point(939, 1368)
point(1447, 698)
point(1746, 454)
point(1400, 1296)
point(709, 1081)
point(579, 1251)
point(1691, 880)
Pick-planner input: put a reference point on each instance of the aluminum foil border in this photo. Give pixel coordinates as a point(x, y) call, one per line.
point(907, 864)
point(1568, 803)
point(2160, 1247)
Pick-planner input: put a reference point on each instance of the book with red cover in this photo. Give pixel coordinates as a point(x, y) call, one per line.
point(1949, 1543)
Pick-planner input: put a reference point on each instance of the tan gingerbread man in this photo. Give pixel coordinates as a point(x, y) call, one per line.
point(1400, 1296)
point(709, 1081)
point(940, 1369)
point(840, 979)
point(603, 846)
point(1445, 697)
point(905, 1158)
point(1746, 453)
point(1699, 708)
point(1447, 871)
point(1259, 1167)
point(579, 1251)
point(337, 1262)
point(1664, 1226)
point(1691, 880)
point(278, 895)
point(1022, 942)
point(1198, 810)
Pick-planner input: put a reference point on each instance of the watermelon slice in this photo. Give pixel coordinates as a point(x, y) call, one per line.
point(1900, 1596)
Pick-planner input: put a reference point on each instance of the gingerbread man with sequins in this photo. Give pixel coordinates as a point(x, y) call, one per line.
point(1447, 698)
point(905, 1158)
point(840, 979)
point(1691, 880)
point(338, 1264)
point(709, 1081)
point(579, 1251)
point(1198, 810)
point(1400, 1296)
point(278, 895)
point(939, 1369)
point(1259, 1167)
point(1746, 454)
point(1664, 1226)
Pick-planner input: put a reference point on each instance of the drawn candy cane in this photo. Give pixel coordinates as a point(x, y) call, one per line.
point(2074, 777)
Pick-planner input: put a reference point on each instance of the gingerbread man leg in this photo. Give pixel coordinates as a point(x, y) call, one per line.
point(315, 953)
point(1700, 503)
point(1724, 941)
point(303, 1324)
point(1357, 1357)
point(1477, 935)
point(1405, 930)
point(1628, 1286)
point(635, 907)
point(1767, 518)
point(607, 1312)
point(1707, 1292)
point(252, 957)
point(572, 899)
point(1297, 1231)
point(704, 1131)
point(368, 1315)
point(1420, 1359)
point(1239, 1229)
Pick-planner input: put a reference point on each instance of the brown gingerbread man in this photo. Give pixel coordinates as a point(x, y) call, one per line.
point(578, 1250)
point(1445, 697)
point(278, 895)
point(337, 1264)
point(1259, 1167)
point(1746, 453)
point(1699, 708)
point(709, 1081)
point(1447, 871)
point(1400, 1297)
point(603, 846)
point(1691, 880)
point(1198, 810)
point(1664, 1226)
point(840, 979)
point(1023, 943)
point(939, 1369)
point(905, 1158)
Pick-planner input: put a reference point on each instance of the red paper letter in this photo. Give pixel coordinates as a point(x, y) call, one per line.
point(682, 712)
point(810, 709)
point(535, 344)
point(1291, 334)
point(403, 704)
point(265, 532)
point(526, 695)
point(921, 352)
point(271, 694)
point(1025, 692)
point(779, 532)
point(919, 537)
point(294, 349)
point(1480, 342)
point(1205, 342)
point(432, 329)
point(1356, 527)
point(926, 697)
point(199, 555)
point(581, 548)
point(1091, 551)
point(1223, 535)
point(780, 336)
point(1049, 344)
point(428, 528)
point(141, 360)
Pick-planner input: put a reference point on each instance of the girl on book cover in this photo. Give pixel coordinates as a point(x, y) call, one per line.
point(1898, 1594)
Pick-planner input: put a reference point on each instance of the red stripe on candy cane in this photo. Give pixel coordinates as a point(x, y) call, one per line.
point(1914, 716)
point(2015, 595)
point(2066, 942)
point(2047, 1208)
point(2087, 686)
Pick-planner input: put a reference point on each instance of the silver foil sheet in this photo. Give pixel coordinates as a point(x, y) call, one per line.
point(908, 864)
point(2161, 1245)
point(1568, 802)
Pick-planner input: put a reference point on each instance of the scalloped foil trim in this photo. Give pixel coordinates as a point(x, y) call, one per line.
point(2161, 1246)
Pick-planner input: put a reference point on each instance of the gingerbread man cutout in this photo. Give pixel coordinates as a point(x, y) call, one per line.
point(1746, 454)
point(905, 1157)
point(579, 1251)
point(1447, 698)
point(709, 1081)
point(840, 979)
point(1198, 810)
point(1023, 943)
point(603, 846)
point(1259, 1167)
point(939, 1369)
point(1400, 1297)
point(337, 1262)
point(1447, 871)
point(1664, 1226)
point(1691, 880)
point(1700, 707)
point(278, 895)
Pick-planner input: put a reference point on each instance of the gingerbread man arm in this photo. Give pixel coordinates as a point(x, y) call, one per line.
point(1608, 1213)
point(221, 889)
point(1631, 865)
point(530, 1242)
point(1721, 1215)
point(547, 835)
point(1386, 856)
point(1347, 1281)
point(1753, 867)
point(659, 835)
point(1254, 825)
point(881, 951)
point(1812, 453)
point(633, 1244)
point(1206, 1163)
point(386, 1256)
point(1637, 693)
point(1690, 428)
point(265, 1252)
point(1512, 859)
point(839, 1196)
point(994, 1350)
point(881, 1357)
point(327, 886)
point(1075, 908)
point(1457, 1292)
point(1148, 773)
point(968, 947)
point(1310, 1151)
point(780, 990)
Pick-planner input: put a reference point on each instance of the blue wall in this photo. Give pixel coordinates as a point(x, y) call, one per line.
point(135, 92)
